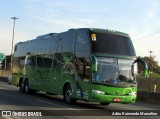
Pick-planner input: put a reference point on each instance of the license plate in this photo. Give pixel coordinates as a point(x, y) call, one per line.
point(117, 99)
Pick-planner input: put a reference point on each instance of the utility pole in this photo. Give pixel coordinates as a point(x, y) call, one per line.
point(150, 70)
point(14, 19)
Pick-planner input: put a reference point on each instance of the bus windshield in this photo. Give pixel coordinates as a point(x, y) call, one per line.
point(114, 72)
point(112, 44)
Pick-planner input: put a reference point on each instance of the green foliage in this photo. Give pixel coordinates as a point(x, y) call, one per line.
point(152, 65)
point(7, 60)
point(155, 76)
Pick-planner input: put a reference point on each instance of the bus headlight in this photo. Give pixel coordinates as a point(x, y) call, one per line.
point(133, 93)
point(98, 92)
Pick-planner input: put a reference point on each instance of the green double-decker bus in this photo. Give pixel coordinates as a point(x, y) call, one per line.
point(94, 65)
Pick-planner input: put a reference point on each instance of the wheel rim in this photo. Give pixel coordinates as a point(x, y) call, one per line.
point(21, 87)
point(26, 87)
point(68, 95)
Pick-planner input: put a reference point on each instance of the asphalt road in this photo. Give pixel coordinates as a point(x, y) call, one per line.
point(51, 106)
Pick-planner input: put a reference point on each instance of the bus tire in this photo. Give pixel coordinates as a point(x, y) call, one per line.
point(32, 91)
point(26, 87)
point(68, 95)
point(104, 103)
point(21, 87)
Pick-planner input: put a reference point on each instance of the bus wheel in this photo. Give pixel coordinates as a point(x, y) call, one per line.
point(21, 87)
point(68, 95)
point(103, 103)
point(26, 86)
point(32, 91)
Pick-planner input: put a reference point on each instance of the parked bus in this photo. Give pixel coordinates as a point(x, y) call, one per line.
point(94, 65)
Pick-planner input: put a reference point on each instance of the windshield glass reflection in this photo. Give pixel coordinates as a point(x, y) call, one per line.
point(114, 72)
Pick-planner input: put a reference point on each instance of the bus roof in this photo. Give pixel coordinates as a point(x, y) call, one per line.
point(104, 31)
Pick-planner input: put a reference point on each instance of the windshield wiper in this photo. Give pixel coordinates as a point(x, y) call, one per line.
point(119, 83)
point(111, 82)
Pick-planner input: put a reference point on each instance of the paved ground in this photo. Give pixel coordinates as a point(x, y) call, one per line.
point(51, 106)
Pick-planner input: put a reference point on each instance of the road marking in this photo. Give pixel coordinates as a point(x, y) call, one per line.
point(54, 104)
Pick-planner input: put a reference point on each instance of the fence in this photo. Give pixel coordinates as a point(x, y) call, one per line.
point(147, 85)
point(149, 90)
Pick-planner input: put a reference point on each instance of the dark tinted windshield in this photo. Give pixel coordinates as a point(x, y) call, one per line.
point(112, 44)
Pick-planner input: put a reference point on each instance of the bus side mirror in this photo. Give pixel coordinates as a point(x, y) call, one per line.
point(94, 66)
point(144, 65)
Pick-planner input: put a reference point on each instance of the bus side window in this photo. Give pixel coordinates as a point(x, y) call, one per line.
point(87, 70)
point(83, 68)
point(30, 61)
point(79, 67)
point(48, 62)
point(40, 61)
point(55, 63)
point(33, 61)
point(15, 48)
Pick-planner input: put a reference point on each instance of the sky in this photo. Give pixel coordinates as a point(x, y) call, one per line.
point(139, 18)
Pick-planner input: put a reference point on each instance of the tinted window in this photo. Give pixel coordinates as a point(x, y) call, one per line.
point(113, 44)
point(82, 42)
point(44, 62)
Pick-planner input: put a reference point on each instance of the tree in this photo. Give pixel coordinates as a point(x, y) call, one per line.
point(7, 60)
point(152, 64)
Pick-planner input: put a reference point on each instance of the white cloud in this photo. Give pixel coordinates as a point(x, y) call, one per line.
point(41, 16)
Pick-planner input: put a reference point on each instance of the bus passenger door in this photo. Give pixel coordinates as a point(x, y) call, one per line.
point(84, 80)
point(82, 52)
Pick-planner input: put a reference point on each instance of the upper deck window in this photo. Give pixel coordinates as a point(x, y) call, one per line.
point(112, 44)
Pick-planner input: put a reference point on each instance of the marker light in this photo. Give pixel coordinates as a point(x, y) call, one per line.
point(133, 93)
point(98, 92)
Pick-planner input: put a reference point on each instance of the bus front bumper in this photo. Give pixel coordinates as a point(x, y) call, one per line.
point(113, 98)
